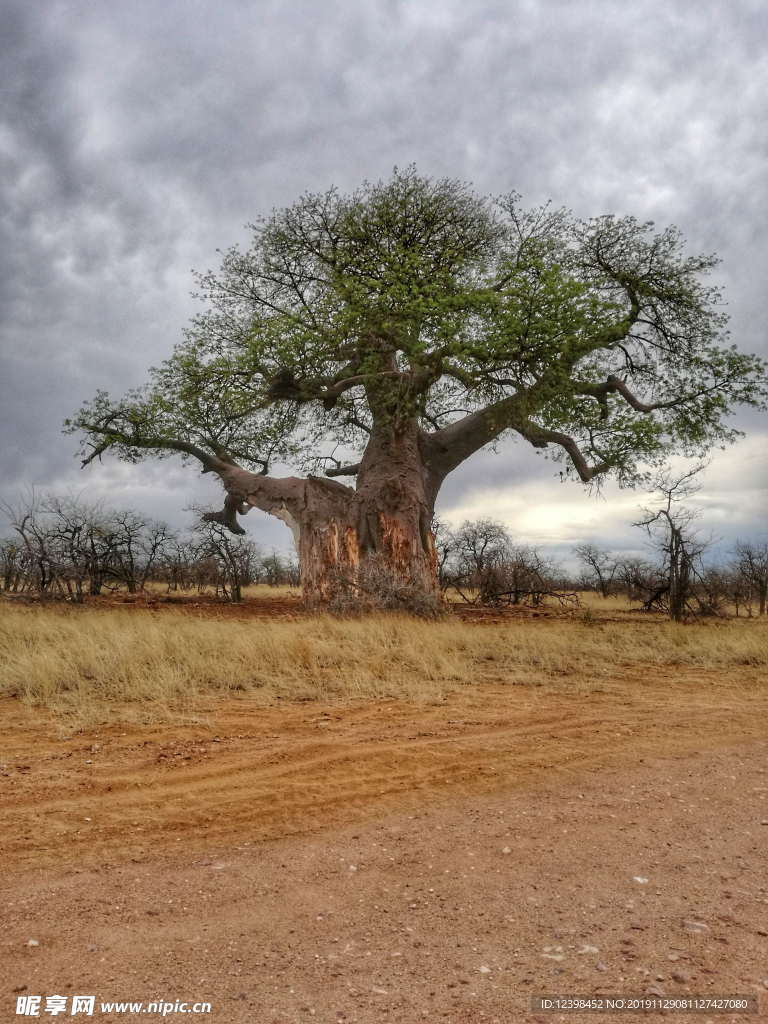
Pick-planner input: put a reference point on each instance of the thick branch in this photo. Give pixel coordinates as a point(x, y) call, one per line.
point(616, 385)
point(540, 438)
point(228, 515)
point(285, 387)
point(447, 448)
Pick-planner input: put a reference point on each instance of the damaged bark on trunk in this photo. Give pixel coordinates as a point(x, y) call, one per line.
point(369, 546)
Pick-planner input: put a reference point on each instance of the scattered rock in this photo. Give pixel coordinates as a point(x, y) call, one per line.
point(485, 970)
point(507, 849)
point(681, 976)
point(589, 949)
point(694, 926)
point(32, 942)
point(640, 880)
point(655, 990)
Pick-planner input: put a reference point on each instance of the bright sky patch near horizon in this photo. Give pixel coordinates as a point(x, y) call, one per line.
point(136, 138)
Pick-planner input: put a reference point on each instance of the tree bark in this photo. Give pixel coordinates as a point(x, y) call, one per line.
point(364, 548)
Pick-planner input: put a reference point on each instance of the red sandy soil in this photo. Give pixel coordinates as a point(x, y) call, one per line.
point(283, 606)
point(393, 862)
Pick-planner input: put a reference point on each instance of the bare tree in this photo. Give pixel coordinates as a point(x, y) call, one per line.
point(527, 577)
point(14, 565)
point(230, 560)
point(26, 520)
point(140, 545)
point(752, 567)
point(639, 578)
point(471, 557)
point(671, 529)
point(83, 544)
point(482, 565)
point(444, 552)
point(601, 567)
point(277, 571)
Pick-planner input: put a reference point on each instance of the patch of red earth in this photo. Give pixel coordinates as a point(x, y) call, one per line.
point(395, 862)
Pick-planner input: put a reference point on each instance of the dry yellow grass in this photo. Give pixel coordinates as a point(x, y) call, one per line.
point(260, 590)
point(92, 665)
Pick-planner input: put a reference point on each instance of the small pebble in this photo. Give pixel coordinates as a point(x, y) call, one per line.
point(695, 926)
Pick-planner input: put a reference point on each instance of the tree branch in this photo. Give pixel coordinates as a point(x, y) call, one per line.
point(211, 463)
point(228, 515)
point(539, 437)
point(615, 384)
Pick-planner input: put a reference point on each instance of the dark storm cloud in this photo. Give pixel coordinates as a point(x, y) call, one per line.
point(136, 138)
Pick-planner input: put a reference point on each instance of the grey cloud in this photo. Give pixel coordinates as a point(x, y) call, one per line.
point(139, 137)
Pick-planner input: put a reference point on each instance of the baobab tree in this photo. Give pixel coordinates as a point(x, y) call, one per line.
point(388, 335)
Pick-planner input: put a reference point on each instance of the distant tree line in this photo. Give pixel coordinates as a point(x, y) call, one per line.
point(679, 581)
point(480, 563)
point(63, 547)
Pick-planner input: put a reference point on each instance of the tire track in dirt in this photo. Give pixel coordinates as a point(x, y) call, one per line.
point(263, 772)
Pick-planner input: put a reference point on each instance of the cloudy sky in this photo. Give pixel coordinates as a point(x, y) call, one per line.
point(136, 138)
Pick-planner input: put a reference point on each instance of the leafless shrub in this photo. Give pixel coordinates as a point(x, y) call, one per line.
point(482, 565)
point(376, 587)
point(752, 569)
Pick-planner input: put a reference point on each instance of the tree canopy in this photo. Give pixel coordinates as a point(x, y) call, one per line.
point(417, 300)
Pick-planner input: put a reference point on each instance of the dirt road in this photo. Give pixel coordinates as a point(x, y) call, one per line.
point(386, 862)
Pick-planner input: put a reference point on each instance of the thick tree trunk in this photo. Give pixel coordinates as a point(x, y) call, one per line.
point(377, 548)
point(364, 548)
